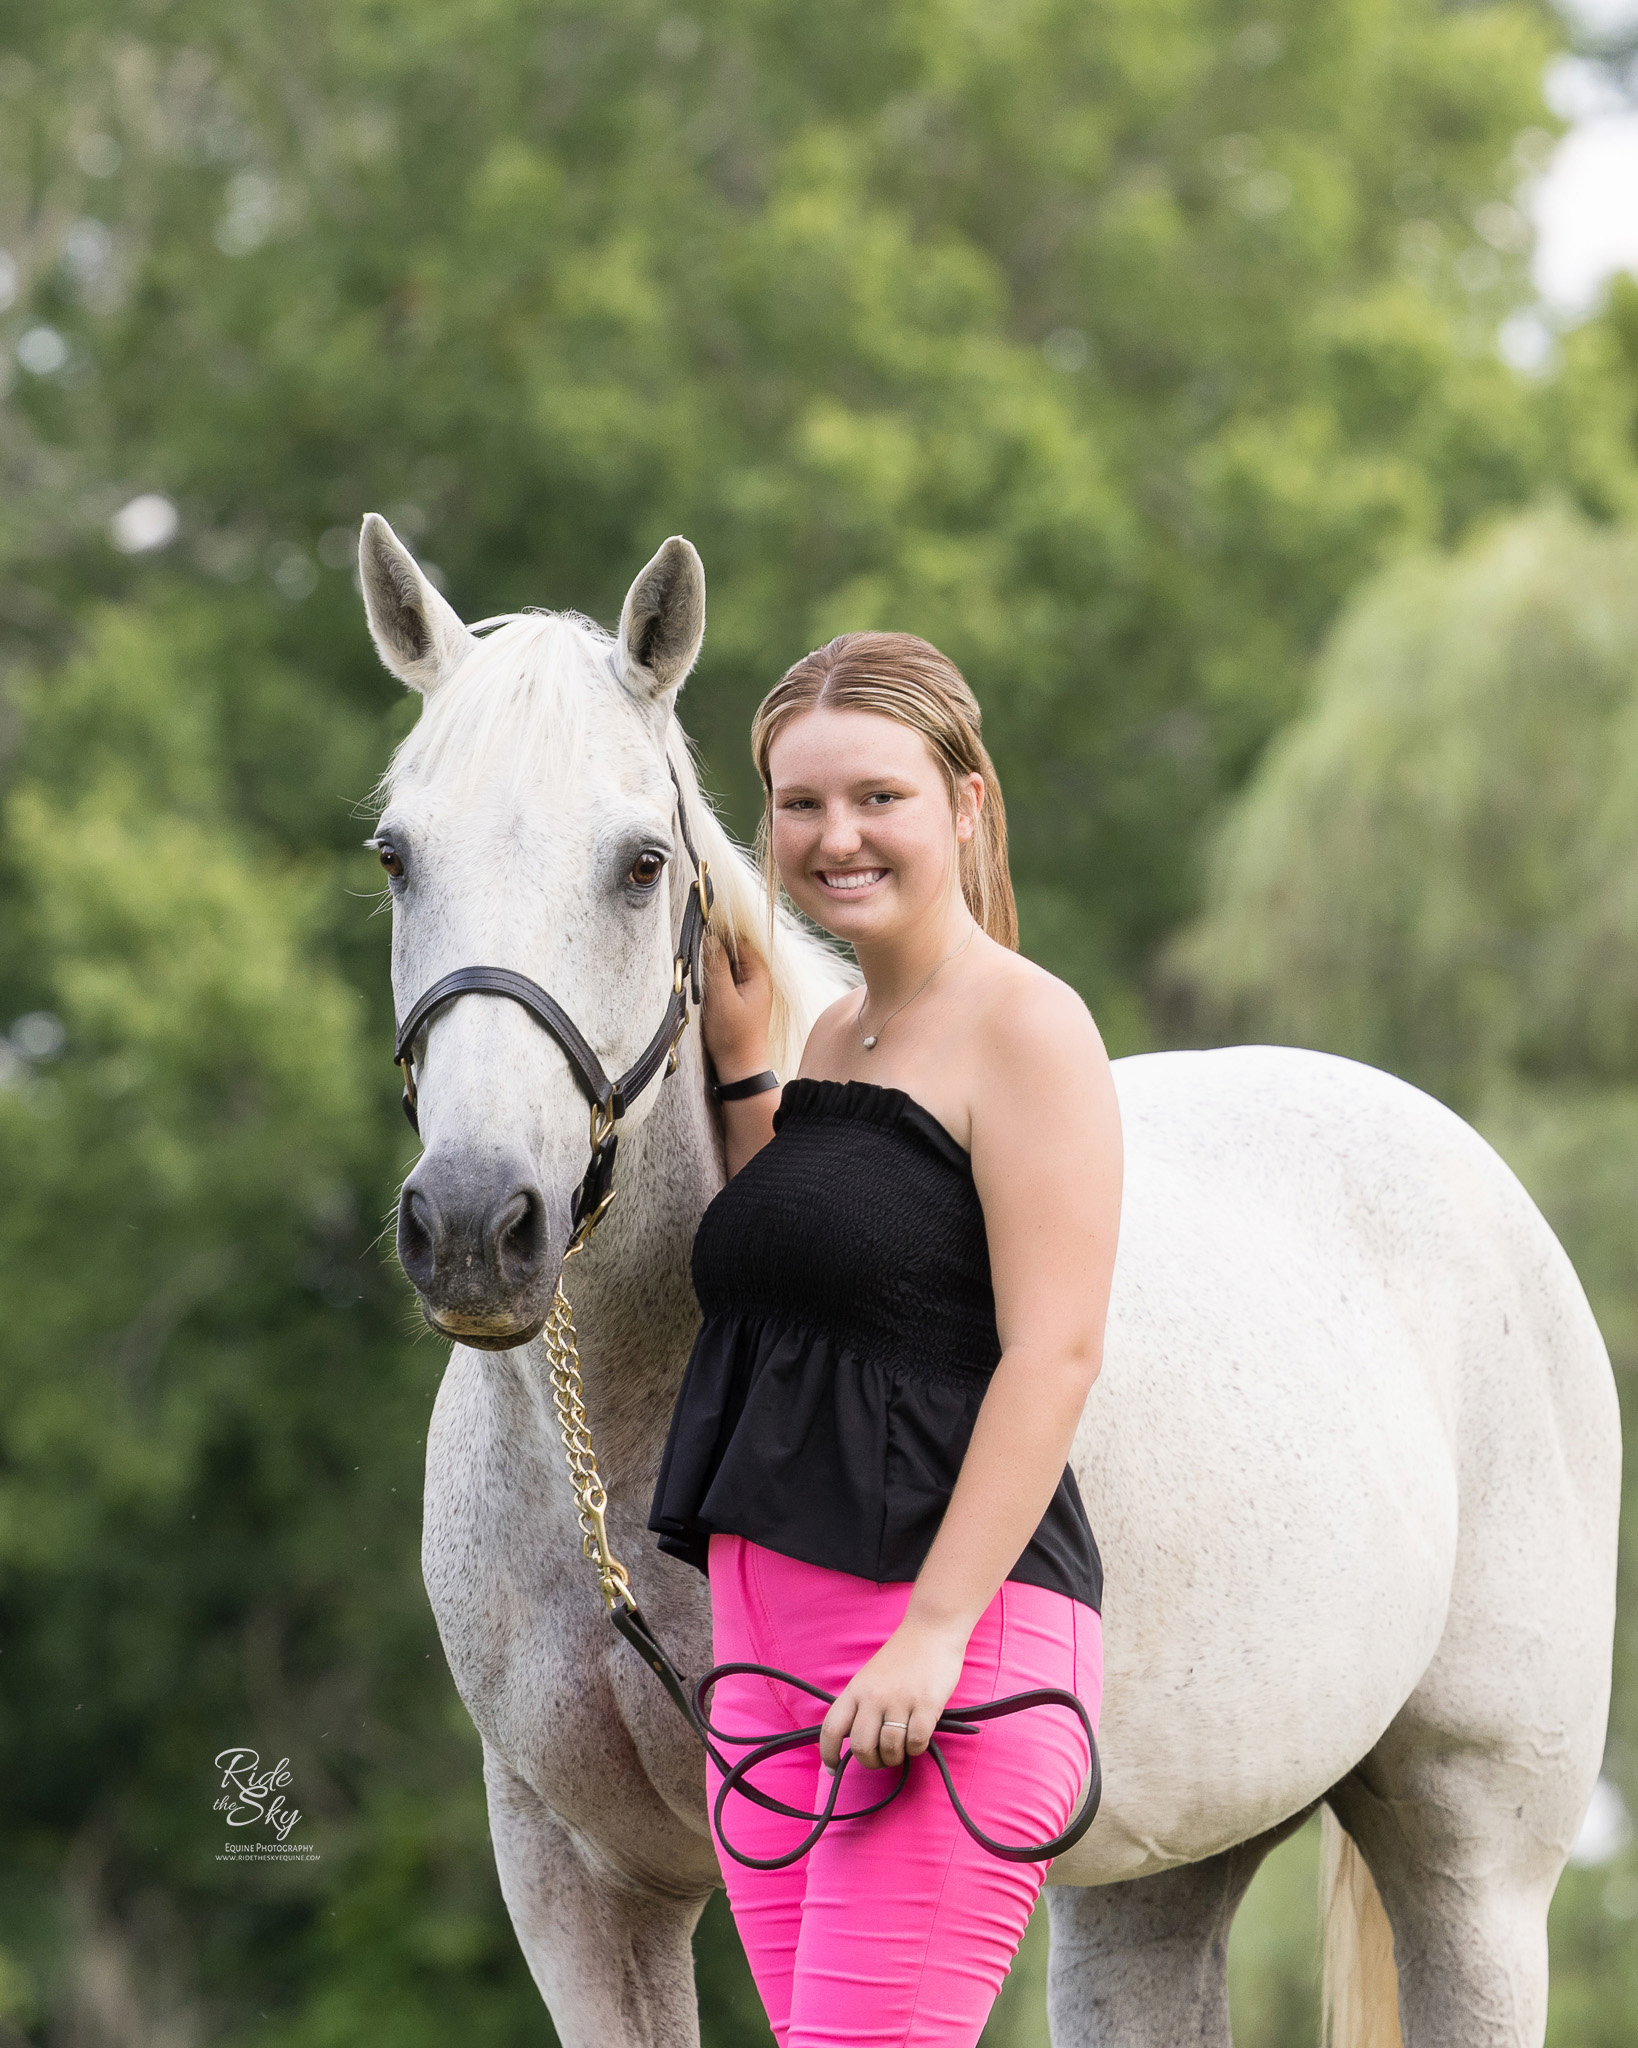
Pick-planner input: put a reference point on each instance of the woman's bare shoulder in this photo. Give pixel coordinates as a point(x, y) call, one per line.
point(1034, 1031)
point(1043, 1103)
point(1021, 997)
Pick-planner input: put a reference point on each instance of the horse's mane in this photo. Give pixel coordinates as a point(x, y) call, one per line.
point(520, 695)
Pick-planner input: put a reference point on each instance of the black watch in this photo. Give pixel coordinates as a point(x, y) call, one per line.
point(737, 1091)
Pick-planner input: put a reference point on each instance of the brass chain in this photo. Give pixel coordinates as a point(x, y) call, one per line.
point(590, 1495)
point(591, 1498)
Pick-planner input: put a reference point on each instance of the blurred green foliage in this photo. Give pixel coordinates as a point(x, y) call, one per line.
point(1274, 1958)
point(1435, 870)
point(1111, 345)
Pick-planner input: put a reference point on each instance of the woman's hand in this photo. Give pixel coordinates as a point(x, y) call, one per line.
point(909, 1680)
point(738, 1007)
point(734, 1025)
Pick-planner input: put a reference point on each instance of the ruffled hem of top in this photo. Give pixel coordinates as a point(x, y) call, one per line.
point(781, 1430)
point(799, 1443)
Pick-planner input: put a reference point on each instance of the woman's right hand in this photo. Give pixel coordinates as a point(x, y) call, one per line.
point(738, 1010)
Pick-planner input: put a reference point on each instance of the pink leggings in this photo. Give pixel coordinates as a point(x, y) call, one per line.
point(895, 1930)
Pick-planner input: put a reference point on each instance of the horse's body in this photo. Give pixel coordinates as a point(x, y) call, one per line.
point(1352, 1460)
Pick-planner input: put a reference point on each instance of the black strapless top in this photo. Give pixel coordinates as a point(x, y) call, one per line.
point(849, 1337)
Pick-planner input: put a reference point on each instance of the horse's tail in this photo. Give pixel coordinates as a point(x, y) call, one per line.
point(1361, 1995)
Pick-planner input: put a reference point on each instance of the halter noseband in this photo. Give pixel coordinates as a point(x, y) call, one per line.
point(609, 1099)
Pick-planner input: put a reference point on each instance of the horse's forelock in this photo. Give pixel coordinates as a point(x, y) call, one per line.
point(516, 707)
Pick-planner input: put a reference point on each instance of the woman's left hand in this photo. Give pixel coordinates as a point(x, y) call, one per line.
point(738, 1009)
point(909, 1681)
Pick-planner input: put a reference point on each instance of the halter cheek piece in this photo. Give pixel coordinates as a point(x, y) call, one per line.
point(609, 1102)
point(609, 1099)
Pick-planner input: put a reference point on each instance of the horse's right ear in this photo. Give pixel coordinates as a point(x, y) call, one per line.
point(416, 633)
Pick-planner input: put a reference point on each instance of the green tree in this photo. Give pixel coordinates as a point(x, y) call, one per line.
point(1108, 346)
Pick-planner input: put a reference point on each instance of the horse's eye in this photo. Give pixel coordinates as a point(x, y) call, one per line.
point(390, 861)
point(647, 868)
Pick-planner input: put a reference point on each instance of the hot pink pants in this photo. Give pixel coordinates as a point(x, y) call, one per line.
point(895, 1930)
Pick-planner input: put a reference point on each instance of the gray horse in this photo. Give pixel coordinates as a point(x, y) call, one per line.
point(1353, 1459)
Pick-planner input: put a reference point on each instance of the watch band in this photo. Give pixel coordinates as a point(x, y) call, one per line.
point(737, 1091)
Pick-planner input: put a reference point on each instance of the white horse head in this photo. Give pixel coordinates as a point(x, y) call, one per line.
point(531, 823)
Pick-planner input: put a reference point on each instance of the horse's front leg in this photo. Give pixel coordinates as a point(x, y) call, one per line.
point(613, 1961)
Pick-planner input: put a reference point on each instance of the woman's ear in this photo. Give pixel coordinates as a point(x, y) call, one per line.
point(969, 805)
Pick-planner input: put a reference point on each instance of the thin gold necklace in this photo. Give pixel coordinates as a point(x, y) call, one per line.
point(869, 1042)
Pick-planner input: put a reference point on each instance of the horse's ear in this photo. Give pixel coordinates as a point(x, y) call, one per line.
point(663, 621)
point(416, 633)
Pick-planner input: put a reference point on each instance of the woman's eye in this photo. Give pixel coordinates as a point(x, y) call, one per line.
point(390, 861)
point(646, 869)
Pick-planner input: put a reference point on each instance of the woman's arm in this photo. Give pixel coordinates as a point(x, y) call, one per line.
point(1046, 1147)
point(734, 1024)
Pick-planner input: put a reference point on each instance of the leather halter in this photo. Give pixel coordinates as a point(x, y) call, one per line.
point(609, 1099)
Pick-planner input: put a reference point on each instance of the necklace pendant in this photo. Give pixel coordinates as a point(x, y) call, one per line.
point(870, 1043)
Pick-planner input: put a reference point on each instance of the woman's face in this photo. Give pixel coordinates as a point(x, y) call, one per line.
point(862, 830)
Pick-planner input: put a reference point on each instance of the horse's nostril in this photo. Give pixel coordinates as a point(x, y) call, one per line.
point(520, 1236)
point(416, 1243)
point(467, 1251)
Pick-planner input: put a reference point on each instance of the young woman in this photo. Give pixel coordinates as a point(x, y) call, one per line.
point(904, 1284)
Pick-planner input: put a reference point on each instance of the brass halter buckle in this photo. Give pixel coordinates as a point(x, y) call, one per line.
point(602, 1138)
point(676, 1041)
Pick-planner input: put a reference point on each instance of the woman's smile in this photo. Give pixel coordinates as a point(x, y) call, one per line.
point(848, 881)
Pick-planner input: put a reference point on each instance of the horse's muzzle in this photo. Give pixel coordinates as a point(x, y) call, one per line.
point(479, 1334)
point(475, 1244)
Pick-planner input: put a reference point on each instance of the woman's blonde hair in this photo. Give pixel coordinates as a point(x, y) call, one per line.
point(905, 679)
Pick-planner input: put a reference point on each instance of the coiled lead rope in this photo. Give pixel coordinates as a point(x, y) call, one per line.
point(591, 1507)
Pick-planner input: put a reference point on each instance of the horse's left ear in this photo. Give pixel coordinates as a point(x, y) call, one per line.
point(417, 635)
point(663, 621)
